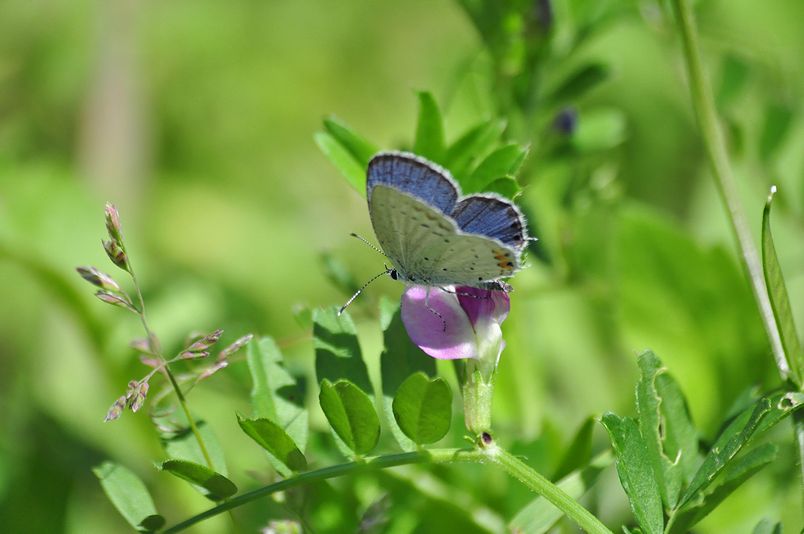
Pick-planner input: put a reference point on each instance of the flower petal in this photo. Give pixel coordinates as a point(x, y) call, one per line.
point(427, 330)
point(482, 304)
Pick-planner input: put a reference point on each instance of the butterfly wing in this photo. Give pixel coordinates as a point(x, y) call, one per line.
point(413, 175)
point(491, 216)
point(427, 247)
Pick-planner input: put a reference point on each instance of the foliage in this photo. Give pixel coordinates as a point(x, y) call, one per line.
point(199, 129)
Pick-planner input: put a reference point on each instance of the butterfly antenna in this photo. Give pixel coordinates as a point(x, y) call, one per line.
point(357, 293)
point(367, 242)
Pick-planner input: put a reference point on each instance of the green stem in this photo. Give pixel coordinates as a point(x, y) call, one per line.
point(712, 134)
point(186, 409)
point(492, 453)
point(153, 344)
point(377, 462)
point(558, 497)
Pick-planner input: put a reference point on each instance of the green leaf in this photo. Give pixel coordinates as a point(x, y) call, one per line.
point(430, 129)
point(273, 438)
point(599, 129)
point(766, 526)
point(634, 469)
point(665, 426)
point(275, 394)
point(337, 351)
point(580, 82)
point(184, 445)
point(345, 162)
point(351, 414)
point(729, 480)
point(130, 496)
point(505, 161)
point(778, 118)
point(780, 302)
point(423, 408)
point(732, 80)
point(782, 405)
point(539, 515)
point(477, 140)
point(215, 486)
point(400, 358)
point(360, 149)
point(579, 452)
point(757, 419)
point(337, 273)
point(507, 187)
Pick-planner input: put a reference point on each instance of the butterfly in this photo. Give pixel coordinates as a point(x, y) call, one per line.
point(434, 236)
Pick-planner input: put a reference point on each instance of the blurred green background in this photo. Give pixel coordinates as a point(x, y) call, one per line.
point(196, 119)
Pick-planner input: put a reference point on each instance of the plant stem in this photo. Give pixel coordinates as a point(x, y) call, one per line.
point(378, 462)
point(558, 497)
point(712, 134)
point(515, 467)
point(186, 409)
point(153, 345)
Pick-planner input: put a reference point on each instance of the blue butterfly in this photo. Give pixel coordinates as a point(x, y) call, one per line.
point(435, 237)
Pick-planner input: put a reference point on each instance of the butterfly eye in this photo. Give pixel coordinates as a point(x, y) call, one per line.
point(393, 274)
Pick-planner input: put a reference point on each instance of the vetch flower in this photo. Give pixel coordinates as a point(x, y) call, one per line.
point(466, 326)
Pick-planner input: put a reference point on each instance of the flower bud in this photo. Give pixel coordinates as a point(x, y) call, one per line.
point(116, 300)
point(205, 342)
point(113, 224)
point(190, 355)
point(116, 254)
point(99, 279)
point(116, 410)
point(138, 398)
point(234, 347)
point(212, 369)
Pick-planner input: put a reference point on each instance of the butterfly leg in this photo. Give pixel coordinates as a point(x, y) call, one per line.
point(433, 310)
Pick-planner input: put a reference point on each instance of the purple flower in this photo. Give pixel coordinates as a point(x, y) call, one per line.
point(472, 318)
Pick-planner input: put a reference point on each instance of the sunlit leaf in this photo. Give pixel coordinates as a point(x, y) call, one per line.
point(755, 420)
point(504, 161)
point(343, 160)
point(466, 149)
point(184, 445)
point(729, 480)
point(665, 426)
point(423, 408)
point(275, 393)
point(360, 149)
point(214, 485)
point(506, 187)
point(634, 469)
point(429, 129)
point(273, 438)
point(780, 302)
point(130, 496)
point(351, 414)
